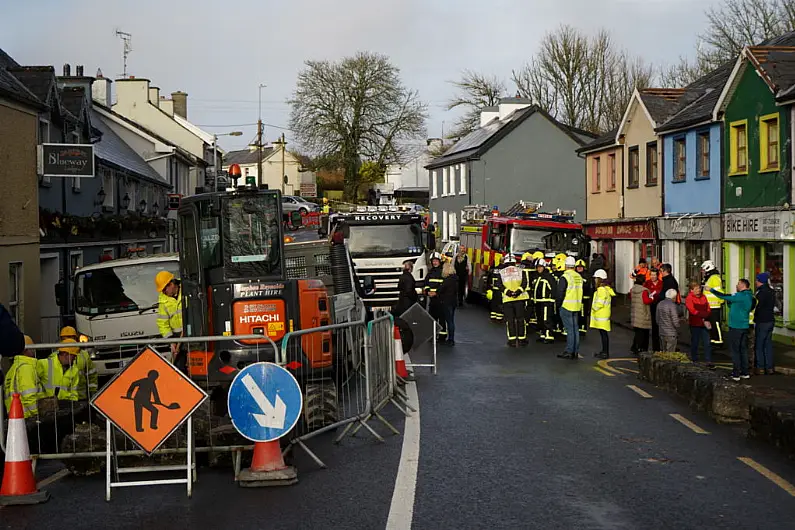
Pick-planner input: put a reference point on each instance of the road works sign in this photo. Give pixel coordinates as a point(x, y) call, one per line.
point(148, 400)
point(265, 402)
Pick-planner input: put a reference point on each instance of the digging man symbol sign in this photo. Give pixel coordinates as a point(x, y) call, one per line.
point(149, 388)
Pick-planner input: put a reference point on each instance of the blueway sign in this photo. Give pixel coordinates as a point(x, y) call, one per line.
point(265, 402)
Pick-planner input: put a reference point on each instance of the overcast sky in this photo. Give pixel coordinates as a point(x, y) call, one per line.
point(219, 52)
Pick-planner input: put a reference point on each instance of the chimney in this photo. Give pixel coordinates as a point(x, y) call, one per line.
point(167, 106)
point(101, 90)
point(487, 114)
point(67, 70)
point(509, 105)
point(180, 100)
point(154, 96)
point(79, 70)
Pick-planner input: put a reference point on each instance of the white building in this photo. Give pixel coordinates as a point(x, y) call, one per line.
point(275, 159)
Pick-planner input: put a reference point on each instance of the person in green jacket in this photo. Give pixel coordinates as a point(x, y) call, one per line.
point(740, 304)
point(23, 379)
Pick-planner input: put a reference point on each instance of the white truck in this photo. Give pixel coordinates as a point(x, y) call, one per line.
point(117, 300)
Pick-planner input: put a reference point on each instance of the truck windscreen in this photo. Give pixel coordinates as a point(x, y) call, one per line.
point(252, 236)
point(385, 240)
point(119, 289)
point(529, 239)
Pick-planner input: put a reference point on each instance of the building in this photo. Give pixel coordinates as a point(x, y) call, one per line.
point(410, 179)
point(19, 228)
point(519, 153)
point(281, 169)
point(759, 224)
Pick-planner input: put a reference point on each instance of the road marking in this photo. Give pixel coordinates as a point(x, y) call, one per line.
point(401, 511)
point(52, 478)
point(627, 370)
point(604, 365)
point(604, 372)
point(639, 391)
point(765, 472)
point(689, 424)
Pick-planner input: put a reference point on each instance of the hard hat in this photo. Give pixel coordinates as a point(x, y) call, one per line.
point(708, 265)
point(28, 340)
point(325, 200)
point(527, 256)
point(162, 279)
point(541, 262)
point(601, 274)
point(580, 263)
point(436, 255)
point(560, 256)
point(509, 258)
point(68, 331)
point(72, 350)
point(570, 262)
point(538, 254)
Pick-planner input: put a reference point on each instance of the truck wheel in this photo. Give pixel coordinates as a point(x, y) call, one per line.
point(321, 407)
point(406, 335)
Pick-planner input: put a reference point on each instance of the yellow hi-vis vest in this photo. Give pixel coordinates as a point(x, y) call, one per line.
point(89, 377)
point(573, 299)
point(601, 308)
point(22, 378)
point(513, 279)
point(52, 376)
point(169, 315)
point(714, 282)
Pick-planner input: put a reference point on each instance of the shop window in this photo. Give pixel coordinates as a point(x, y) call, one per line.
point(680, 159)
point(702, 148)
point(634, 167)
point(15, 291)
point(774, 265)
point(769, 142)
point(611, 172)
point(696, 253)
point(738, 148)
point(651, 164)
point(109, 187)
point(596, 174)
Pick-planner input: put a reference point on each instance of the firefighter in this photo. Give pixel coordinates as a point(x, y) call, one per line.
point(587, 292)
point(169, 312)
point(433, 283)
point(494, 294)
point(23, 379)
point(529, 270)
point(544, 301)
point(713, 281)
point(89, 378)
point(512, 284)
point(325, 209)
point(58, 372)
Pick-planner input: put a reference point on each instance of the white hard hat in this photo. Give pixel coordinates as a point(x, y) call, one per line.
point(570, 262)
point(708, 266)
point(509, 258)
point(601, 274)
point(541, 262)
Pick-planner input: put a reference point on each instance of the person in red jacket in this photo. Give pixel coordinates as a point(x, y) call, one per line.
point(655, 286)
point(698, 317)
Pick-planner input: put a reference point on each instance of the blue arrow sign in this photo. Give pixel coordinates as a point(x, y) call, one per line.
point(265, 402)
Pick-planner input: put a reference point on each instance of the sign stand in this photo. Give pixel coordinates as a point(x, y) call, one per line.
point(112, 467)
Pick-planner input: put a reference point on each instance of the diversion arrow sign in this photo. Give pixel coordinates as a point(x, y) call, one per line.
point(265, 402)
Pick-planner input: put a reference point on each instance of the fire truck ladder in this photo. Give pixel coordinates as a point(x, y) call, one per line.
point(522, 207)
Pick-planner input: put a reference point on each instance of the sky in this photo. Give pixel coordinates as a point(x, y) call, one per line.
point(220, 52)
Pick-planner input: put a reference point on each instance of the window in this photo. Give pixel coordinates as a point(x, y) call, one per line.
point(702, 146)
point(157, 249)
point(453, 178)
point(611, 172)
point(463, 180)
point(75, 261)
point(651, 164)
point(434, 182)
point(15, 291)
point(453, 225)
point(769, 142)
point(634, 167)
point(109, 252)
point(738, 145)
point(108, 186)
point(435, 218)
point(445, 181)
point(131, 193)
point(680, 159)
point(774, 265)
point(596, 175)
point(444, 225)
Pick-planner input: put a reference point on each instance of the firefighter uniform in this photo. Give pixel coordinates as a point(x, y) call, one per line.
point(89, 377)
point(713, 281)
point(57, 380)
point(23, 379)
point(434, 281)
point(544, 301)
point(529, 270)
point(513, 285)
point(494, 294)
point(587, 293)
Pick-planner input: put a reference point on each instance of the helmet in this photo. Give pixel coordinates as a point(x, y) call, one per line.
point(68, 331)
point(73, 350)
point(538, 255)
point(436, 255)
point(580, 263)
point(509, 258)
point(325, 200)
point(601, 274)
point(28, 340)
point(527, 256)
point(708, 265)
point(570, 262)
point(162, 279)
point(541, 262)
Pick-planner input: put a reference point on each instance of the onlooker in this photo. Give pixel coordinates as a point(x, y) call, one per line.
point(641, 314)
point(432, 236)
point(437, 234)
point(740, 306)
point(655, 264)
point(668, 322)
point(407, 290)
point(641, 269)
point(12, 341)
point(597, 262)
point(462, 271)
point(764, 320)
point(668, 281)
point(655, 286)
point(698, 317)
point(449, 299)
point(601, 309)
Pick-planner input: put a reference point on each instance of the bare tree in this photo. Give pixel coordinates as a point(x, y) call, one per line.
point(684, 72)
point(353, 110)
point(474, 91)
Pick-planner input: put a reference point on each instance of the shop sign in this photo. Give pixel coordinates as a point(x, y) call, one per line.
point(621, 231)
point(700, 228)
point(767, 226)
point(66, 160)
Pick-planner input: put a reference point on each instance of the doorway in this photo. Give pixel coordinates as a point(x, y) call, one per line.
point(48, 306)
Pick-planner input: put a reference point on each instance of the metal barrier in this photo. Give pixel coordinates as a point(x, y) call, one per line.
point(423, 329)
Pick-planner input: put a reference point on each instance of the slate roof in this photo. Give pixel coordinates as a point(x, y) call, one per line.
point(700, 99)
point(38, 79)
point(73, 99)
point(12, 88)
point(246, 156)
point(605, 140)
point(661, 102)
point(114, 150)
point(776, 65)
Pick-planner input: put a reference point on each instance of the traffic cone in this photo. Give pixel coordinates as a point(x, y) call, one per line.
point(267, 468)
point(19, 484)
point(400, 362)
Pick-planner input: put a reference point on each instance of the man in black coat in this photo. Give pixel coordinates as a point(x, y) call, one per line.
point(407, 289)
point(764, 322)
point(462, 272)
point(12, 340)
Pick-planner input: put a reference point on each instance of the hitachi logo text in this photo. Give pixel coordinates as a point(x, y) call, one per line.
point(258, 319)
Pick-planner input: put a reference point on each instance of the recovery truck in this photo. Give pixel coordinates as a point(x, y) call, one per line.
point(489, 235)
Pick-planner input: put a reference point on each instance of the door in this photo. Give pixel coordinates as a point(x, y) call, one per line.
point(48, 307)
point(193, 289)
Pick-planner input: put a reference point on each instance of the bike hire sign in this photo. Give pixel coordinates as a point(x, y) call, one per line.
point(66, 160)
point(148, 400)
point(767, 226)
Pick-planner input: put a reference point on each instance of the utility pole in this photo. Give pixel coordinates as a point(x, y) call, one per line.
point(284, 175)
point(260, 180)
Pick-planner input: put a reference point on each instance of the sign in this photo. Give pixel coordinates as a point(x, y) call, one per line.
point(704, 228)
point(308, 189)
point(252, 290)
point(264, 402)
point(66, 160)
point(174, 200)
point(641, 230)
point(148, 400)
point(767, 226)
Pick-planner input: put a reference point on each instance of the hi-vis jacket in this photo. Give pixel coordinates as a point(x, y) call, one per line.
point(513, 284)
point(89, 377)
point(52, 376)
point(713, 281)
point(544, 288)
point(572, 297)
point(434, 280)
point(23, 379)
point(602, 307)
point(169, 315)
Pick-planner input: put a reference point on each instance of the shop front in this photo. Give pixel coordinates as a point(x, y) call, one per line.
point(763, 241)
point(623, 243)
point(687, 241)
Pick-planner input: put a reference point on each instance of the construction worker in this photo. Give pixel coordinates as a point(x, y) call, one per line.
point(529, 270)
point(601, 311)
point(169, 312)
point(325, 209)
point(58, 372)
point(713, 281)
point(23, 379)
point(89, 378)
point(434, 281)
point(544, 290)
point(494, 294)
point(569, 299)
point(587, 291)
point(513, 285)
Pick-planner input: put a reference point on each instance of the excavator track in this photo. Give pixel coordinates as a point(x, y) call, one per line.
point(321, 404)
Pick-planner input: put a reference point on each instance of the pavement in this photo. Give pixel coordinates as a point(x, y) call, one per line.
point(505, 438)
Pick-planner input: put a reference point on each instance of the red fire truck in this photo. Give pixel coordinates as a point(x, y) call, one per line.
point(488, 235)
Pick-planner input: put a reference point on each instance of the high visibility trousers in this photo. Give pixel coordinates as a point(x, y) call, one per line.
point(545, 319)
point(530, 312)
point(435, 310)
point(514, 320)
point(495, 306)
point(585, 314)
point(715, 334)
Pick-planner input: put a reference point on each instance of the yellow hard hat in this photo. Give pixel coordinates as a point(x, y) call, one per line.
point(538, 255)
point(325, 200)
point(69, 349)
point(28, 340)
point(526, 256)
point(162, 279)
point(68, 331)
point(580, 263)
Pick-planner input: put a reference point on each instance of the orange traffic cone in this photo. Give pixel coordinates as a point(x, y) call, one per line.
point(19, 484)
point(400, 362)
point(267, 468)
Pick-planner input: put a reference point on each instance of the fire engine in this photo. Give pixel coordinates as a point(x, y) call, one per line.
point(488, 235)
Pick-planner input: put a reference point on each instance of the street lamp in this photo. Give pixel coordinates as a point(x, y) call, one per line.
point(215, 153)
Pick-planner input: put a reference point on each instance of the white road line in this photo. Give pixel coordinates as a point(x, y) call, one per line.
point(639, 391)
point(689, 424)
point(401, 511)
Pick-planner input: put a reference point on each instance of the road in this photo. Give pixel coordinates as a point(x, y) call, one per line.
point(507, 438)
